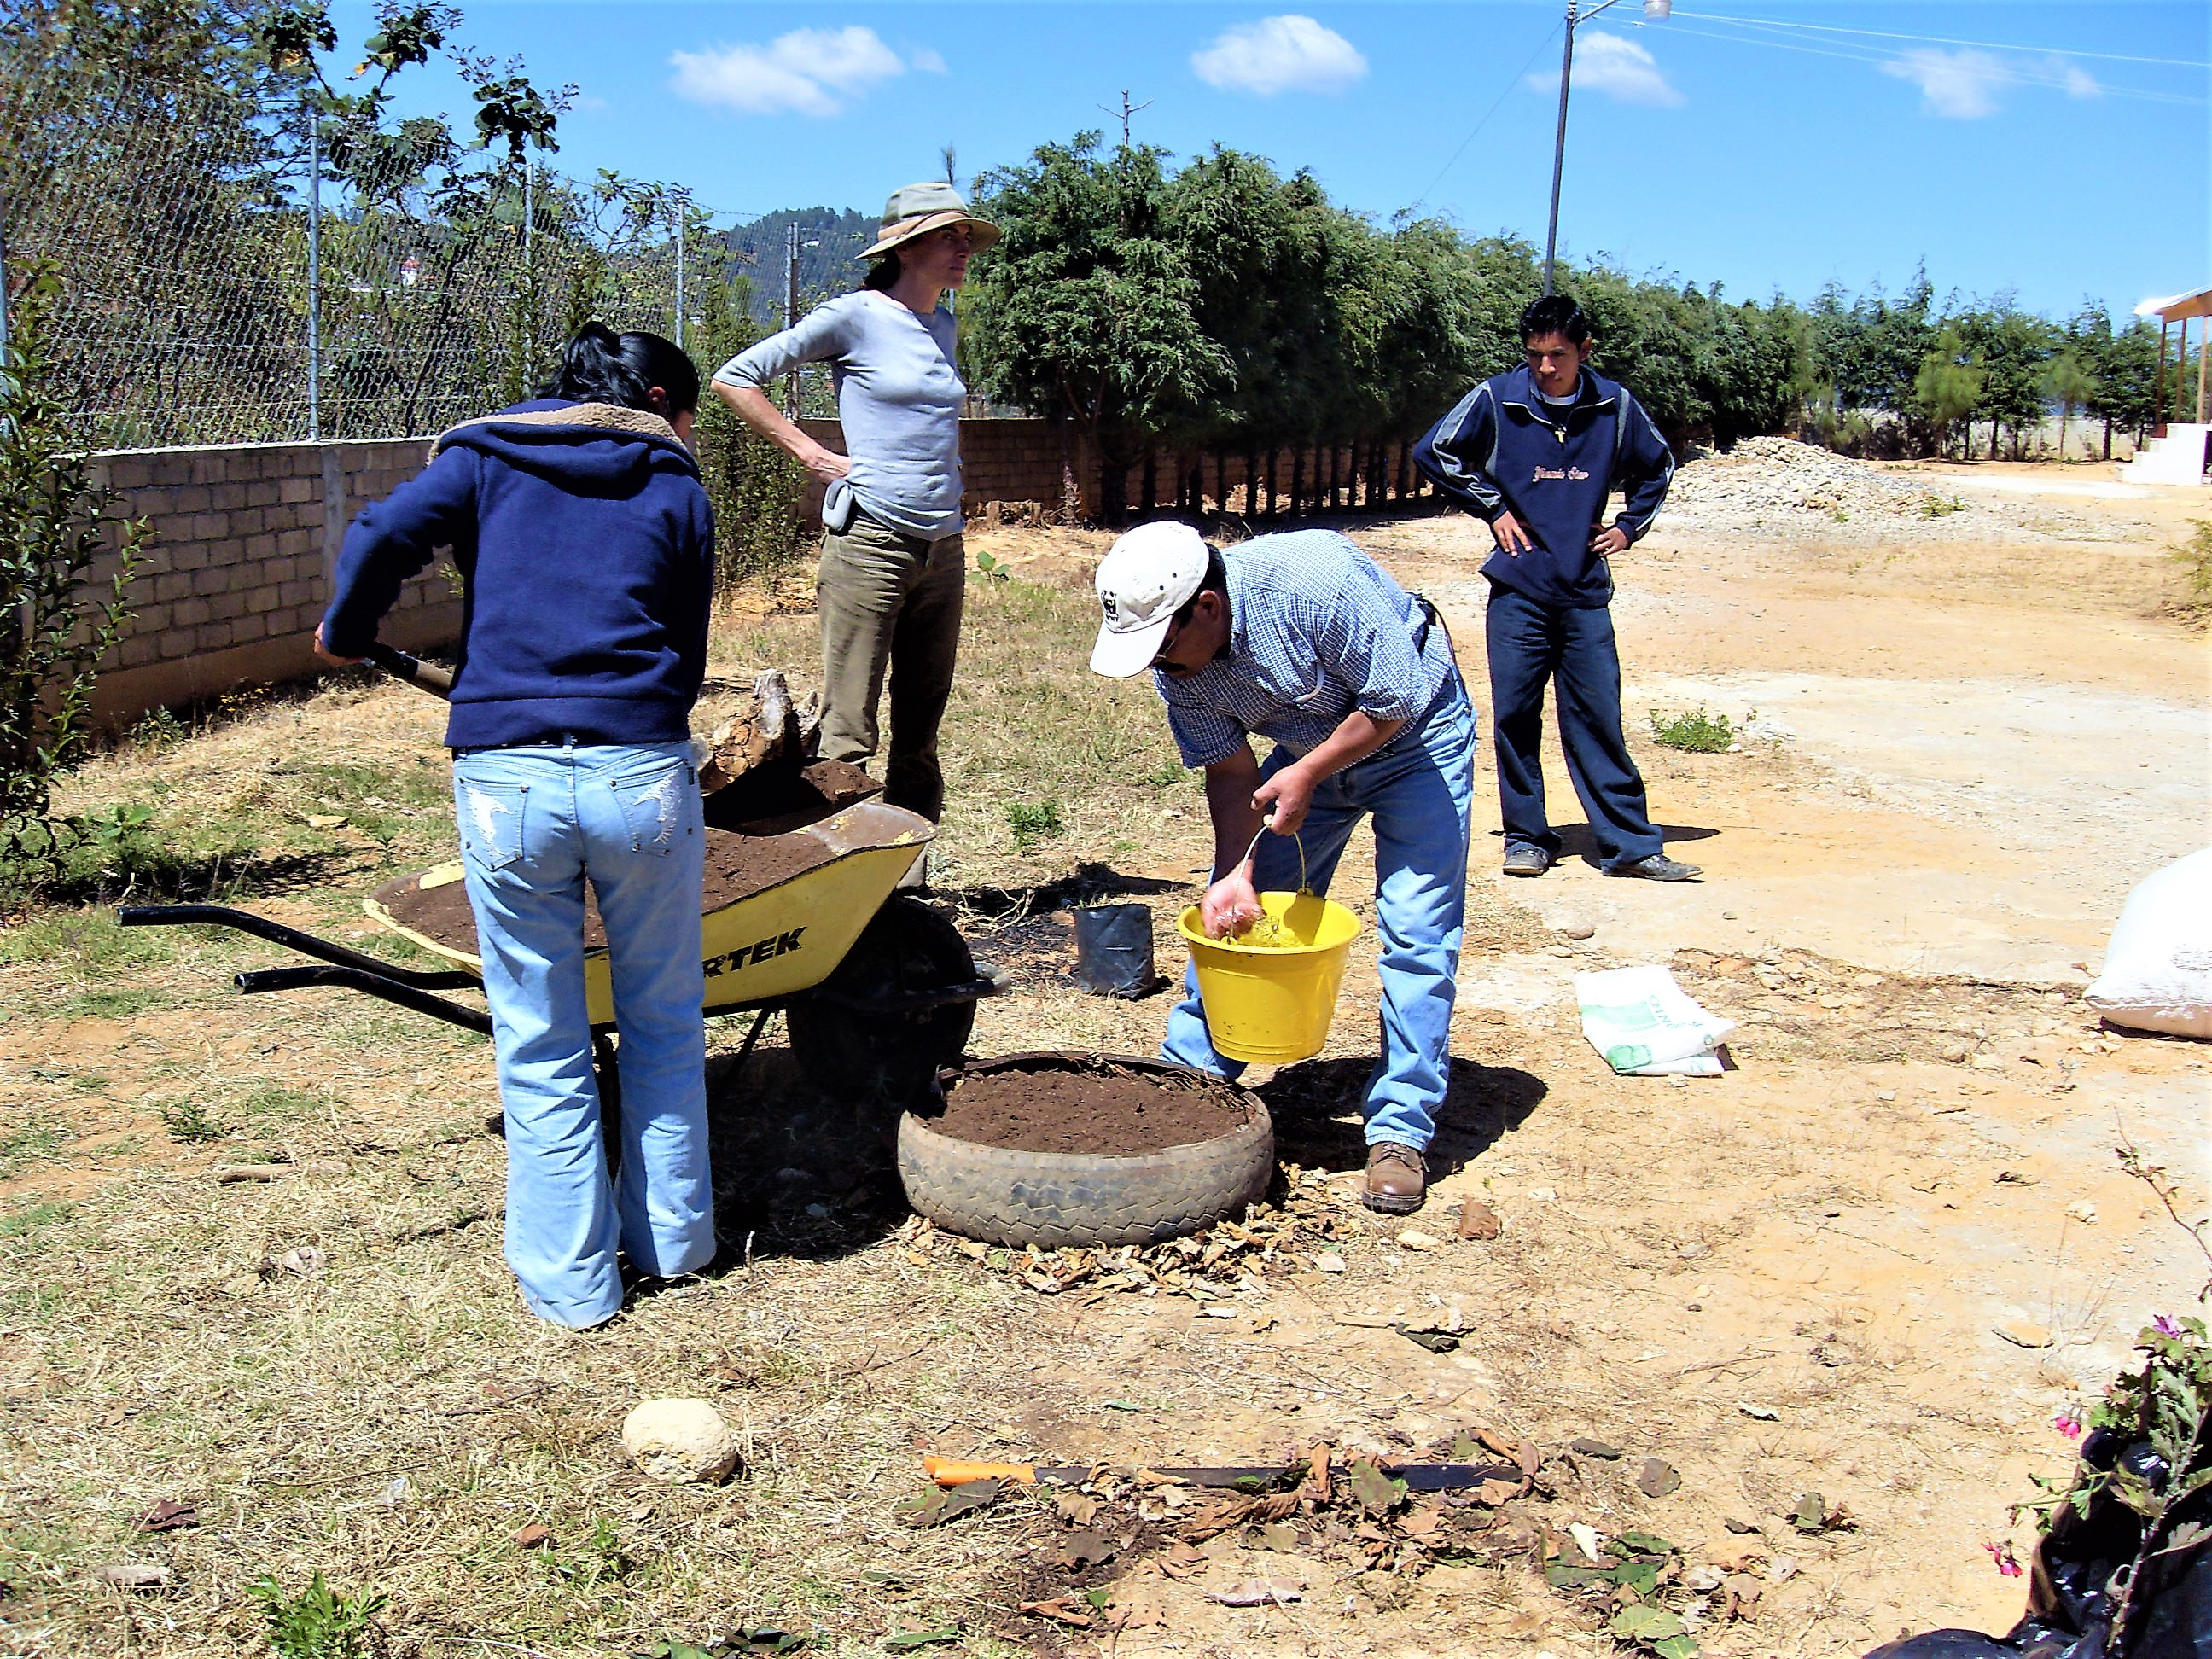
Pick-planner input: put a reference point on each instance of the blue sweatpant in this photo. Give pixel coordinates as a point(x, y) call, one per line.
point(1573, 648)
point(534, 823)
point(1419, 790)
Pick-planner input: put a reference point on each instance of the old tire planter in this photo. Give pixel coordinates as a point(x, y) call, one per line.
point(1051, 1199)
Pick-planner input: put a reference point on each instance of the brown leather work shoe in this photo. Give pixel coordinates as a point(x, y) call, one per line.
point(1397, 1177)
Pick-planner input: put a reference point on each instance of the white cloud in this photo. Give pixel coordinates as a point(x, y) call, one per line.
point(1279, 54)
point(2077, 81)
point(807, 71)
point(1959, 85)
point(1609, 63)
point(1963, 85)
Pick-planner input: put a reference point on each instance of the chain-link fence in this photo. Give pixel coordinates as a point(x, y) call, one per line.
point(222, 282)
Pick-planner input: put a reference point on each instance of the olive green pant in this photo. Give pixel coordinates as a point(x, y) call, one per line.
point(890, 602)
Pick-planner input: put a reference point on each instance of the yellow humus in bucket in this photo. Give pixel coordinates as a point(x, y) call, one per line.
point(1269, 996)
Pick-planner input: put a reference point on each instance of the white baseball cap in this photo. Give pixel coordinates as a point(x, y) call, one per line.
point(1146, 577)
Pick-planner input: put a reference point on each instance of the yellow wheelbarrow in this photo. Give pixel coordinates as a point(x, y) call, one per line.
point(878, 990)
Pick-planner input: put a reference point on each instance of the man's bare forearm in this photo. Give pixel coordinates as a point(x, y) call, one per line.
point(1229, 787)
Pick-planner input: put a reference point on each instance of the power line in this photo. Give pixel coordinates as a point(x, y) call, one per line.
point(1549, 37)
point(1941, 39)
point(1997, 72)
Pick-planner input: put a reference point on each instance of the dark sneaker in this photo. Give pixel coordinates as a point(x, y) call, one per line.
point(1397, 1177)
point(1526, 859)
point(1658, 867)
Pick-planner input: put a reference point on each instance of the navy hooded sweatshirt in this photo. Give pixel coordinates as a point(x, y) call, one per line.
point(1504, 448)
point(587, 550)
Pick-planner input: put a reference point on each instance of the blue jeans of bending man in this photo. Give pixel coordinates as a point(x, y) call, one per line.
point(1572, 648)
point(1418, 792)
point(535, 822)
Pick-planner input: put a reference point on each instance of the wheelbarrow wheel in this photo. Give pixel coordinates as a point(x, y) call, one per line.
point(890, 1060)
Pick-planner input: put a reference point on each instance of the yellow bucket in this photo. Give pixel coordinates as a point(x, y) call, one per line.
point(1272, 1003)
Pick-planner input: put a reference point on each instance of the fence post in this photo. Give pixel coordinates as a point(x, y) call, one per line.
point(4, 284)
point(315, 279)
point(683, 216)
point(529, 267)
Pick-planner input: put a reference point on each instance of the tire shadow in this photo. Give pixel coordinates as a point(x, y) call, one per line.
point(1317, 1108)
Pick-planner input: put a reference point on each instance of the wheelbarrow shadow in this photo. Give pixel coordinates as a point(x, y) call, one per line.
point(1317, 1108)
point(800, 1171)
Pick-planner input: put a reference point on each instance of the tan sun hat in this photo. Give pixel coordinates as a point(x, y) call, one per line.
point(916, 209)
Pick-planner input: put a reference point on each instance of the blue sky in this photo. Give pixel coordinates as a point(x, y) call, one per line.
point(2020, 146)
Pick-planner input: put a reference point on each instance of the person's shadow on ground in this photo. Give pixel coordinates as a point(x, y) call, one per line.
point(1576, 841)
point(1317, 1108)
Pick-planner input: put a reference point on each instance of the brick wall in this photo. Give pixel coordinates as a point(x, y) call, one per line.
point(245, 538)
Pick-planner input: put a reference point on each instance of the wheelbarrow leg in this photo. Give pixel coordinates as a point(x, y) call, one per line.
point(760, 1022)
point(607, 1069)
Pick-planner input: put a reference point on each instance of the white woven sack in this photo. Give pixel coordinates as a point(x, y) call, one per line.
point(2158, 971)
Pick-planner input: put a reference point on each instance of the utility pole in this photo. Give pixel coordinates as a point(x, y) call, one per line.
point(791, 314)
point(1127, 110)
point(1654, 11)
point(683, 221)
point(529, 268)
point(315, 279)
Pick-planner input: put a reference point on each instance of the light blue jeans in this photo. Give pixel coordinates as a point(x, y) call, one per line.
point(534, 823)
point(1420, 792)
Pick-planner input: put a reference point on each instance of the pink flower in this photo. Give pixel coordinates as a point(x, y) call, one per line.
point(2068, 1422)
point(2165, 1325)
point(2002, 1555)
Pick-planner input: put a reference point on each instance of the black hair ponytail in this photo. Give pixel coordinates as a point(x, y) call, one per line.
point(601, 367)
point(883, 272)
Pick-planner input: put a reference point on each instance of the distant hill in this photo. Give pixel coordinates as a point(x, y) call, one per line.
point(830, 266)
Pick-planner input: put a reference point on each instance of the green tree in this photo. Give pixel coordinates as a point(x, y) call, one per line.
point(2068, 383)
point(1947, 388)
point(1085, 311)
point(2123, 363)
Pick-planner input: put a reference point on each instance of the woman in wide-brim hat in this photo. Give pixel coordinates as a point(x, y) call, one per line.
point(893, 564)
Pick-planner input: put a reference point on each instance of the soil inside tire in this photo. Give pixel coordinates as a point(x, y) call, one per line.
point(1110, 1111)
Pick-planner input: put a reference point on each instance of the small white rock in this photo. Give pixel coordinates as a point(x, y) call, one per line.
point(1413, 1239)
point(679, 1441)
point(1328, 1264)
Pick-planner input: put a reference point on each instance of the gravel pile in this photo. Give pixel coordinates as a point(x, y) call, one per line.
point(1778, 484)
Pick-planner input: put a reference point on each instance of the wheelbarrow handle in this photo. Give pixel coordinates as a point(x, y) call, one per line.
point(423, 676)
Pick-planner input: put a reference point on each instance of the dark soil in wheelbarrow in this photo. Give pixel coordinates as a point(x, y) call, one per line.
point(738, 867)
point(1107, 1111)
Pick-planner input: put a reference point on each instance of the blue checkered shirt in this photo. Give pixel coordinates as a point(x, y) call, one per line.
point(1317, 630)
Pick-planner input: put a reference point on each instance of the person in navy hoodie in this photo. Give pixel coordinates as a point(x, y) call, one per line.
point(1535, 452)
point(587, 551)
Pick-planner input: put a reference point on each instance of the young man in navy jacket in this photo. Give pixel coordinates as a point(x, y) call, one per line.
point(1535, 452)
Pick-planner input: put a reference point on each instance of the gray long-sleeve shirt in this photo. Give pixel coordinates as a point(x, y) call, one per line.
point(898, 395)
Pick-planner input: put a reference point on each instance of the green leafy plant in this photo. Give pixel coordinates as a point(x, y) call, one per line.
point(66, 564)
point(1696, 732)
point(2194, 558)
point(1941, 507)
point(992, 568)
point(1167, 774)
point(192, 1123)
point(317, 1623)
point(1634, 1572)
point(1033, 822)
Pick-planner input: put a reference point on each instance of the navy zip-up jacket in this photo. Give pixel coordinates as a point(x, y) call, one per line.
point(1500, 450)
point(587, 551)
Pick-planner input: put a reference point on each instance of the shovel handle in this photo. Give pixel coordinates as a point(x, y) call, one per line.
point(955, 1472)
point(423, 676)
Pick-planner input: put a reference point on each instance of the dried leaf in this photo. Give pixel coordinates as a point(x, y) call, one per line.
point(1657, 1478)
point(1368, 1486)
point(1435, 1342)
point(1597, 1449)
point(169, 1514)
point(940, 1505)
point(1062, 1611)
point(535, 1536)
point(1086, 1548)
point(1075, 1508)
point(1260, 1593)
point(133, 1575)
